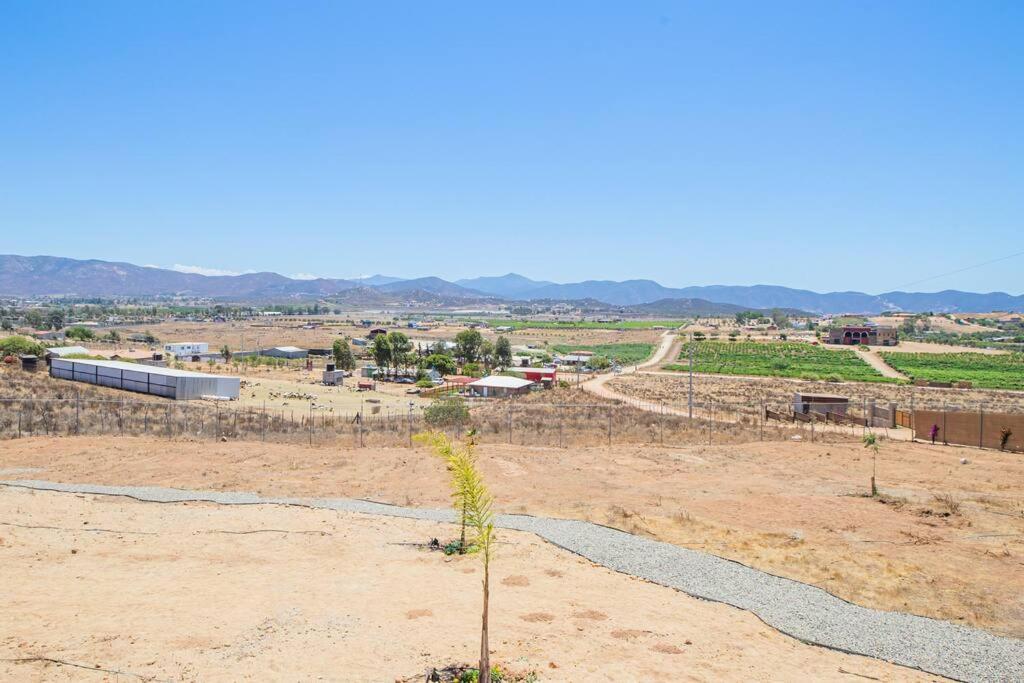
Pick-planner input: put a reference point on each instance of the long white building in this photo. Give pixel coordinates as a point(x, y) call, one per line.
point(181, 385)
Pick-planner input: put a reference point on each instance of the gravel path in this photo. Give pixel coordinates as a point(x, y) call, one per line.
point(796, 609)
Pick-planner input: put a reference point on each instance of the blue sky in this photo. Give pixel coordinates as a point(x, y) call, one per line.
point(828, 146)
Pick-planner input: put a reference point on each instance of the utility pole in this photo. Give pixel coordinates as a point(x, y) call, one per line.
point(692, 347)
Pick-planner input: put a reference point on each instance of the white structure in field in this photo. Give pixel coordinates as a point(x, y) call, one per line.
point(147, 379)
point(186, 349)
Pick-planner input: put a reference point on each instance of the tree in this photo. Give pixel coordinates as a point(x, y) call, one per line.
point(400, 349)
point(599, 362)
point(80, 333)
point(871, 441)
point(780, 318)
point(381, 351)
point(114, 336)
point(33, 319)
point(440, 362)
point(698, 336)
point(226, 352)
point(55, 319)
point(503, 352)
point(487, 354)
point(472, 499)
point(467, 345)
point(343, 358)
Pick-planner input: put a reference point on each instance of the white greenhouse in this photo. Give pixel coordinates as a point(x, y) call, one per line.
point(147, 379)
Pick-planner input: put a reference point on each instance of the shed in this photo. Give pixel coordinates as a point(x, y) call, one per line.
point(820, 403)
point(61, 351)
point(146, 379)
point(285, 352)
point(499, 386)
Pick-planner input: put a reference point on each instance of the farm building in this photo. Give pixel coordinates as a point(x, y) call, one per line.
point(575, 358)
point(376, 332)
point(147, 379)
point(186, 349)
point(285, 352)
point(498, 386)
point(871, 335)
point(546, 376)
point(820, 403)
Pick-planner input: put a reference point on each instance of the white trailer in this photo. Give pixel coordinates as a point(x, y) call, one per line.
point(147, 379)
point(186, 349)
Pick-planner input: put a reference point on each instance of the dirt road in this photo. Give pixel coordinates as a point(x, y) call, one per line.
point(876, 361)
point(668, 348)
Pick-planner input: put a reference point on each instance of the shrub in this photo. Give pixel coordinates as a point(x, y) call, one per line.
point(447, 412)
point(17, 346)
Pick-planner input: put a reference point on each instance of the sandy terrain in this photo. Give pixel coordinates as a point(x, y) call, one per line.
point(946, 541)
point(200, 592)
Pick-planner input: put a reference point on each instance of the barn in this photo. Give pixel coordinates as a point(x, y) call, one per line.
point(181, 385)
point(285, 352)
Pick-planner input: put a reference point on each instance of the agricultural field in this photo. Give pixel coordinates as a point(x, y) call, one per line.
point(586, 325)
point(777, 359)
point(624, 353)
point(1004, 371)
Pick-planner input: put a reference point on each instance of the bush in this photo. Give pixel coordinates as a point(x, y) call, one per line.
point(446, 412)
point(424, 383)
point(17, 346)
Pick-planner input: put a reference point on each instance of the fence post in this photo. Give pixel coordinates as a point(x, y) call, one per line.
point(763, 410)
point(120, 417)
point(21, 409)
point(78, 424)
point(168, 421)
point(145, 419)
point(510, 424)
point(813, 420)
point(944, 441)
point(311, 423)
point(263, 422)
point(981, 425)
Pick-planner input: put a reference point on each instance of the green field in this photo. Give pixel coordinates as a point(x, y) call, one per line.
point(625, 354)
point(778, 359)
point(982, 370)
point(565, 325)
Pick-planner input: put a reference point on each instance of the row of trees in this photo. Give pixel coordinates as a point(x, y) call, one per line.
point(394, 352)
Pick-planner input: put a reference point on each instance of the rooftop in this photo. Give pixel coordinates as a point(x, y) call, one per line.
point(501, 382)
point(138, 367)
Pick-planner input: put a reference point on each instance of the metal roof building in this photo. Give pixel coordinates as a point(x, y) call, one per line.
point(181, 385)
point(499, 386)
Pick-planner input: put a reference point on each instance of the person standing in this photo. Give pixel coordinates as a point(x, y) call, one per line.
point(935, 432)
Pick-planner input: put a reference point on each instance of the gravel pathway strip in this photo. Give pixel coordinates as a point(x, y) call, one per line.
point(796, 609)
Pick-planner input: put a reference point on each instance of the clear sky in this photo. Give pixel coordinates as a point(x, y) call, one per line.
point(824, 145)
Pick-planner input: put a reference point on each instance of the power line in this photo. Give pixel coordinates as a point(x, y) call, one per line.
point(960, 270)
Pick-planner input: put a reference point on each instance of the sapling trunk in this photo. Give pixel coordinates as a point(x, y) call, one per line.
point(485, 655)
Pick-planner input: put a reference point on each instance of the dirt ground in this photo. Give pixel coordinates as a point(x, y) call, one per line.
point(200, 592)
point(944, 540)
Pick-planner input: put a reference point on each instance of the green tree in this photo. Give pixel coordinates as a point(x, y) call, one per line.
point(401, 349)
point(55, 319)
point(343, 357)
point(599, 362)
point(780, 318)
point(80, 333)
point(503, 352)
point(440, 362)
point(445, 413)
point(487, 354)
point(226, 352)
point(467, 345)
point(33, 319)
point(381, 351)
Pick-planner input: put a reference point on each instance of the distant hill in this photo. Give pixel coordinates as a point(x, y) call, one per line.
point(683, 308)
point(26, 276)
point(511, 286)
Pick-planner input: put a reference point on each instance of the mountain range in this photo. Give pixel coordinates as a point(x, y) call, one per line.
point(33, 276)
